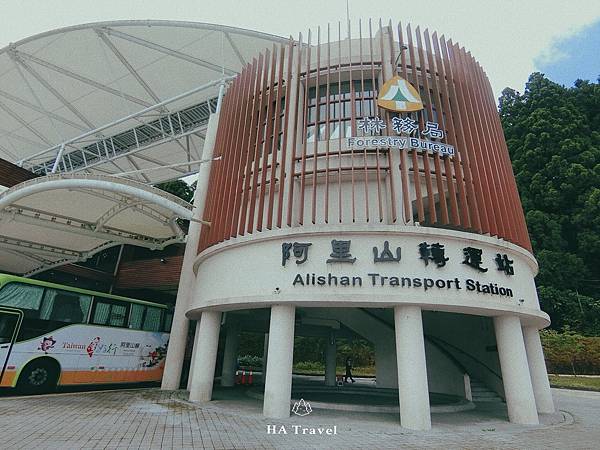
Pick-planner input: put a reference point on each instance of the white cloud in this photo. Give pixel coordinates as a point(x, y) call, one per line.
point(505, 36)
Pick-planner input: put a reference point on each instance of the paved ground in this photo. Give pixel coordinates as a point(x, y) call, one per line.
point(150, 418)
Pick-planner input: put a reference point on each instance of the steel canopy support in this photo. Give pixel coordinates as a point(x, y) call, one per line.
point(167, 51)
point(128, 66)
point(20, 56)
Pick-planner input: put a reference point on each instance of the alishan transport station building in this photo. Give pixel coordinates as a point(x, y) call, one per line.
point(349, 185)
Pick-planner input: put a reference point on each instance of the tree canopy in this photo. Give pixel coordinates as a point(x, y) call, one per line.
point(553, 137)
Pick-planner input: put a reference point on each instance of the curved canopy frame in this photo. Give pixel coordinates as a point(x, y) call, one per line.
point(58, 219)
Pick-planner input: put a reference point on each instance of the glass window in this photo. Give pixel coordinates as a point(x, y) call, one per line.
point(168, 321)
point(152, 319)
point(64, 306)
point(118, 314)
point(22, 296)
point(109, 312)
point(101, 313)
point(8, 323)
point(137, 316)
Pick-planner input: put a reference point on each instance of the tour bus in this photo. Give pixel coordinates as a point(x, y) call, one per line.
point(57, 335)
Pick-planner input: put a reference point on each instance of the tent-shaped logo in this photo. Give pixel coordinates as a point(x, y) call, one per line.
point(399, 95)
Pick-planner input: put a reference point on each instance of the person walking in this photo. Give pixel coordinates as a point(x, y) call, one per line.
point(348, 370)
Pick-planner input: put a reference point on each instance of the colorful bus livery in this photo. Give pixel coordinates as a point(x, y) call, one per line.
point(57, 335)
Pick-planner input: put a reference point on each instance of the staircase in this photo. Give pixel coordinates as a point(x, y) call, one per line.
point(481, 393)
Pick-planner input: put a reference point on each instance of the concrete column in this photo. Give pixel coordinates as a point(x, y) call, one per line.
point(537, 370)
point(206, 356)
point(412, 369)
point(278, 386)
point(193, 359)
point(520, 400)
point(265, 356)
point(330, 357)
point(386, 366)
point(180, 327)
point(230, 355)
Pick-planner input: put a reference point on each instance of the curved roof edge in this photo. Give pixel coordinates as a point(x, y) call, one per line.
point(147, 23)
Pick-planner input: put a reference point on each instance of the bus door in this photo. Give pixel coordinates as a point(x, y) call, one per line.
point(10, 322)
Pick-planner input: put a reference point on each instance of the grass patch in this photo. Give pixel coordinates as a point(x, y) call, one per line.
point(305, 368)
point(573, 382)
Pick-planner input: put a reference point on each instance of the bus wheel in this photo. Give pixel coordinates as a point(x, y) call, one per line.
point(39, 376)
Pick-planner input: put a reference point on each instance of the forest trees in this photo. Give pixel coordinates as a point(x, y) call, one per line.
point(553, 137)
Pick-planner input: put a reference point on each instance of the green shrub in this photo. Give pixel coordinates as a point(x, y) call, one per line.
point(569, 352)
point(250, 361)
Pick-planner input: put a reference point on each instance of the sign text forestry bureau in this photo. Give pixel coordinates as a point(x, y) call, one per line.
point(401, 125)
point(433, 254)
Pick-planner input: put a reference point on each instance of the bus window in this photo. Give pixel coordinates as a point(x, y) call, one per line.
point(137, 316)
point(63, 306)
point(109, 312)
point(152, 319)
point(22, 296)
point(168, 321)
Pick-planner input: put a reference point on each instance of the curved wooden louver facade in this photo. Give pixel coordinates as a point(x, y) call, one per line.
point(285, 162)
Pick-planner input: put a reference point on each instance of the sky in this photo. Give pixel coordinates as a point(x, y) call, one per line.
point(510, 38)
point(573, 57)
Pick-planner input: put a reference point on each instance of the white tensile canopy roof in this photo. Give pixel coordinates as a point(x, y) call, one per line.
point(118, 97)
point(58, 219)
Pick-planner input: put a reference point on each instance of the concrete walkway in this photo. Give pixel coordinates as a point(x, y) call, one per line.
point(150, 418)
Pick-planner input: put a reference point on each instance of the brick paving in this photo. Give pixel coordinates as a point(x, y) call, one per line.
point(154, 419)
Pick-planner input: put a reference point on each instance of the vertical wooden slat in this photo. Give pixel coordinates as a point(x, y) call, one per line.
point(296, 106)
point(512, 202)
point(489, 156)
point(317, 129)
point(352, 121)
point(289, 88)
point(390, 159)
point(259, 144)
point(488, 178)
point(251, 145)
point(304, 132)
point(426, 155)
point(226, 197)
point(462, 148)
point(408, 212)
point(443, 107)
point(275, 141)
point(268, 138)
point(340, 129)
point(327, 125)
point(414, 151)
point(447, 172)
point(375, 112)
point(478, 171)
point(242, 145)
point(362, 115)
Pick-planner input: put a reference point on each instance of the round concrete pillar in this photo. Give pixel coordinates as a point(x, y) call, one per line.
point(232, 340)
point(413, 391)
point(264, 358)
point(278, 385)
point(179, 329)
point(330, 357)
point(520, 400)
point(537, 370)
point(203, 371)
point(195, 347)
